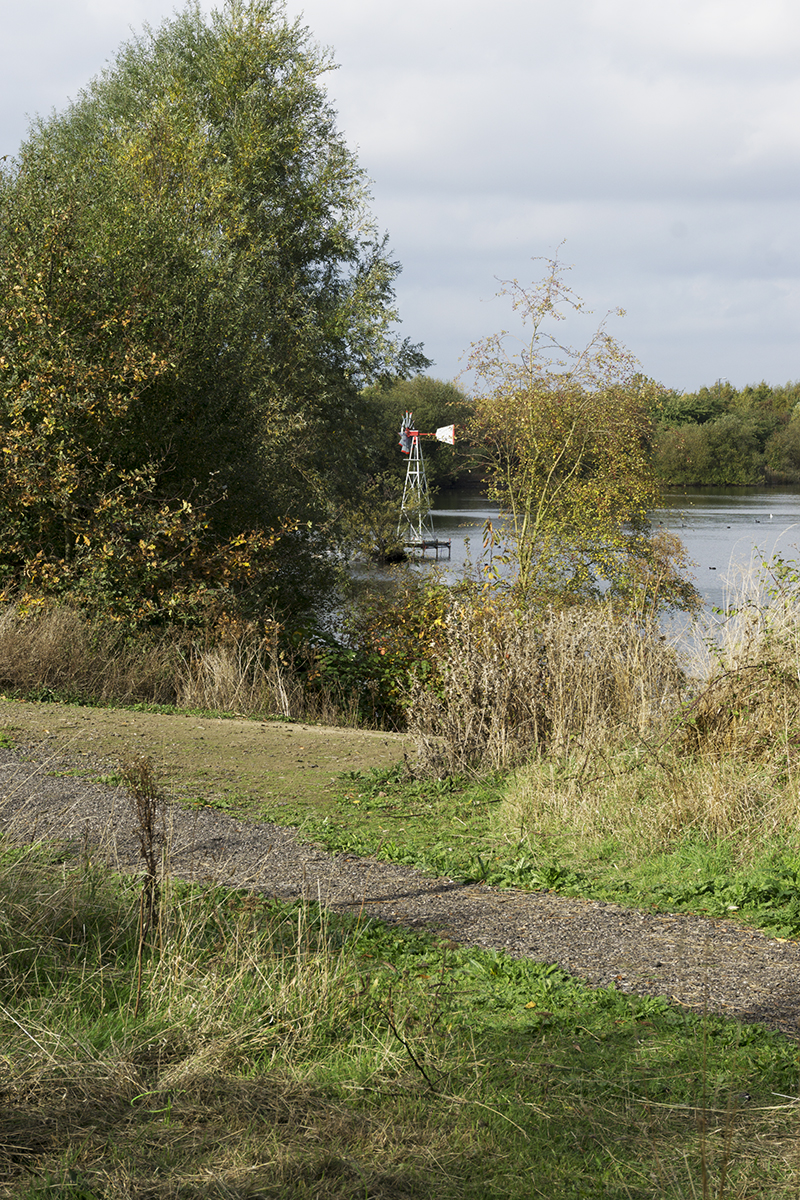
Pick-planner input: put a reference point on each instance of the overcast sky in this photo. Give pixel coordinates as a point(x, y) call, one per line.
point(659, 139)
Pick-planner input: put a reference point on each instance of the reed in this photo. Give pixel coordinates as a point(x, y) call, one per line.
point(56, 652)
point(514, 685)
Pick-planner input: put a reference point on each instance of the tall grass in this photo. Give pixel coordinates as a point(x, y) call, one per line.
point(715, 761)
point(238, 998)
point(512, 685)
point(748, 703)
point(56, 652)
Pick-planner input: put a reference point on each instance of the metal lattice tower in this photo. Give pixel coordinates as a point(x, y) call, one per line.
point(416, 524)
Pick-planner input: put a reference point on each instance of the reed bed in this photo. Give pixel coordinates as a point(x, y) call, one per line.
point(513, 685)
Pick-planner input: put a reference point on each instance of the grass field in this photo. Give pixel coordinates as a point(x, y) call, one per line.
point(259, 1050)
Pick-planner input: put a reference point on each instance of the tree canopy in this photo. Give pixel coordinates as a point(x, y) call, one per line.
point(564, 438)
point(193, 295)
point(722, 436)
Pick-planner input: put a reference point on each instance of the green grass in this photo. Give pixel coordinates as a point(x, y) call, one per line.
point(430, 823)
point(458, 828)
point(280, 1052)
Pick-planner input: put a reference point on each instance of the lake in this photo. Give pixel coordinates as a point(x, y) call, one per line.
point(723, 530)
point(726, 530)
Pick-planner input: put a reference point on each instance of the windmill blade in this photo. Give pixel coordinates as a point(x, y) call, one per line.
point(405, 440)
point(446, 433)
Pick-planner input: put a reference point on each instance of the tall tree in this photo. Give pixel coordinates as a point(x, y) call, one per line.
point(563, 434)
point(192, 296)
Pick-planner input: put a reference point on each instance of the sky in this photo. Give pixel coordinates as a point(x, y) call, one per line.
point(654, 145)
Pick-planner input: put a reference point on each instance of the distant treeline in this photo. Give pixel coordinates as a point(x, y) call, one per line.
point(720, 436)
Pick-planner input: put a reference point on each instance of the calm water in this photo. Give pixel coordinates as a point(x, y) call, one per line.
point(723, 530)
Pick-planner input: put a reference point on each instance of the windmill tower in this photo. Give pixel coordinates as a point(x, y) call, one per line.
point(415, 526)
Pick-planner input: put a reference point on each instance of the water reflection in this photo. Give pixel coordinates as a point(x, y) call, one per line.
point(461, 518)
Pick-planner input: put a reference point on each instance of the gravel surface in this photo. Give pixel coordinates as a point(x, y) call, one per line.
point(699, 963)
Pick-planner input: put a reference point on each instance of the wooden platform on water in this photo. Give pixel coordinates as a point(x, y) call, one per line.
point(435, 544)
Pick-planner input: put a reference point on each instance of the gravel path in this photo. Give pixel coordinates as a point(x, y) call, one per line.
point(699, 963)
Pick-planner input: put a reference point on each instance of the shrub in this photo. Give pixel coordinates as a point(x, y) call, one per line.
point(389, 638)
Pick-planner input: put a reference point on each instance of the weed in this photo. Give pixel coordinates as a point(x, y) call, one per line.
point(148, 802)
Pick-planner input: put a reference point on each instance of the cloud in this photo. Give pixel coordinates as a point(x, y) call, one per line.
point(52, 48)
point(659, 138)
point(569, 120)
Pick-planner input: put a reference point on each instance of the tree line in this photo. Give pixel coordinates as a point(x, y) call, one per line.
point(724, 436)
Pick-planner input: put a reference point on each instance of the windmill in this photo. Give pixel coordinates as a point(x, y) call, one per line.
point(416, 524)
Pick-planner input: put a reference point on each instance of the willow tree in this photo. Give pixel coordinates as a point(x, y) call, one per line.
point(193, 295)
point(563, 434)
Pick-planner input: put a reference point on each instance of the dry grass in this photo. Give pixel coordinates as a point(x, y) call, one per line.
point(57, 651)
point(645, 804)
point(715, 754)
point(748, 703)
point(250, 674)
point(245, 675)
point(513, 685)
